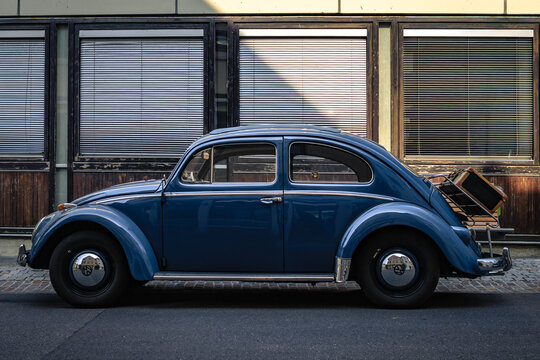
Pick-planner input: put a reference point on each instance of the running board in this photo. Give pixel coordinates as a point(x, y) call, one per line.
point(188, 276)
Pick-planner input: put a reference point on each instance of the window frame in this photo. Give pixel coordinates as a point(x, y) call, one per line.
point(432, 164)
point(219, 184)
point(46, 160)
point(311, 183)
point(129, 162)
point(372, 126)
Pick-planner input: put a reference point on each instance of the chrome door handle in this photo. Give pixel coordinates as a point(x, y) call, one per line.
point(271, 200)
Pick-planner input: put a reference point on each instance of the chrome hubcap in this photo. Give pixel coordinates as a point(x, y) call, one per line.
point(88, 269)
point(397, 269)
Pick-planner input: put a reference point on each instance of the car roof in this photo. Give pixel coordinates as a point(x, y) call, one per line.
point(275, 127)
point(286, 130)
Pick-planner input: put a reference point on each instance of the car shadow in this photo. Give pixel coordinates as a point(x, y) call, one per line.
point(287, 298)
point(256, 299)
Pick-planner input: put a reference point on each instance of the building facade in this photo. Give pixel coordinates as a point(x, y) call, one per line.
point(94, 93)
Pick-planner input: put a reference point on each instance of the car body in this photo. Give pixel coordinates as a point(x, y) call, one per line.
point(264, 203)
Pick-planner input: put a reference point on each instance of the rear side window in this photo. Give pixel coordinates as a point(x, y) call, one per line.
point(315, 163)
point(243, 163)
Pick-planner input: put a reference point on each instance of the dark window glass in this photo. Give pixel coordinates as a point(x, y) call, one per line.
point(141, 97)
point(245, 163)
point(468, 98)
point(221, 75)
point(325, 164)
point(22, 96)
point(196, 171)
point(249, 163)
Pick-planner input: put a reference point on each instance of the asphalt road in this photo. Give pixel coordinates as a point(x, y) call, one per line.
point(262, 324)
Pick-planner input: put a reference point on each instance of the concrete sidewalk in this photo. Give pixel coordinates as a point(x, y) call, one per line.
point(10, 246)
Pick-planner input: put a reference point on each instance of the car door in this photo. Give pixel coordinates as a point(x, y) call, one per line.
point(329, 184)
point(224, 211)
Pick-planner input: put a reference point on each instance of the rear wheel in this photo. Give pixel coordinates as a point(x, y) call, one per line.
point(89, 269)
point(397, 269)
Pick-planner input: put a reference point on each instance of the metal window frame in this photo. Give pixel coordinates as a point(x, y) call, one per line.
point(22, 34)
point(47, 162)
point(507, 28)
point(368, 30)
point(291, 158)
point(434, 32)
point(41, 31)
point(302, 33)
point(212, 170)
point(140, 33)
point(124, 30)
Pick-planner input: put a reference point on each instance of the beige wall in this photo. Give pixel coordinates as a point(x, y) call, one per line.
point(463, 7)
point(257, 6)
point(8, 7)
point(529, 7)
point(95, 7)
point(186, 7)
point(423, 6)
point(385, 86)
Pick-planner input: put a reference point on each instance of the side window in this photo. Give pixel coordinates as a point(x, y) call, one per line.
point(250, 163)
point(325, 164)
point(245, 163)
point(197, 170)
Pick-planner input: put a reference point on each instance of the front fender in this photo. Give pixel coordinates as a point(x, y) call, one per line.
point(139, 254)
point(454, 249)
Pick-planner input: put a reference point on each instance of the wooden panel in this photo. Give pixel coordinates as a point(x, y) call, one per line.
point(522, 209)
point(87, 182)
point(24, 198)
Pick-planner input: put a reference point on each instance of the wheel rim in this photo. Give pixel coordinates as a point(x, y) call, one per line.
point(88, 269)
point(397, 269)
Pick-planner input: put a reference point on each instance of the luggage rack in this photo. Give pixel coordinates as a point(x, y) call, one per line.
point(471, 213)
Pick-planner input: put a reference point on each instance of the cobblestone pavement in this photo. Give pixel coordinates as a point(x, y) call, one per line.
point(523, 278)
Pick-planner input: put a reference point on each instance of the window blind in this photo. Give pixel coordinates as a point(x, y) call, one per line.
point(468, 97)
point(304, 80)
point(22, 96)
point(140, 97)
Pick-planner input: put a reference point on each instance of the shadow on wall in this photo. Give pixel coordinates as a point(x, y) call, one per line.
point(315, 81)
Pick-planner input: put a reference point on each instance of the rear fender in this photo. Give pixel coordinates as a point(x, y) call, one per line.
point(460, 255)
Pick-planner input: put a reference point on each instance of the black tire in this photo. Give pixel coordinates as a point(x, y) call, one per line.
point(422, 253)
point(114, 276)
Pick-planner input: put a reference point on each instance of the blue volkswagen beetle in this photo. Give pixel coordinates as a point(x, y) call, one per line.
point(290, 204)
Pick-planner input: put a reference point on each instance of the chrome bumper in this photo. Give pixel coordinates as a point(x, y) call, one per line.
point(496, 265)
point(22, 258)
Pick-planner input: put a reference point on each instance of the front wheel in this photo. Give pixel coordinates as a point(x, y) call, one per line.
point(89, 269)
point(397, 269)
